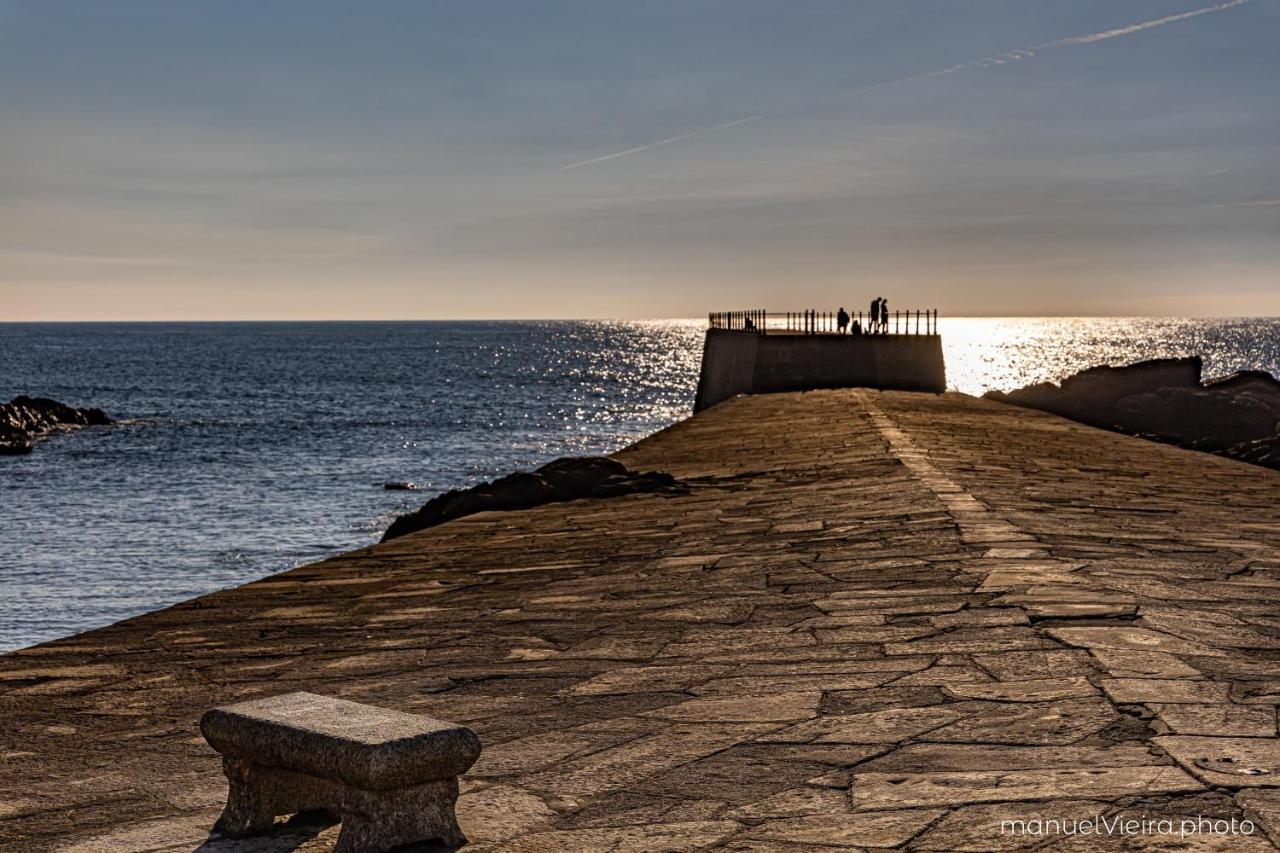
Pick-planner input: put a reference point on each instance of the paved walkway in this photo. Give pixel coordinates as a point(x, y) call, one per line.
point(875, 621)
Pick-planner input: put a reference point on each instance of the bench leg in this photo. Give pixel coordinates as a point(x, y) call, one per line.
point(259, 794)
point(249, 808)
point(376, 821)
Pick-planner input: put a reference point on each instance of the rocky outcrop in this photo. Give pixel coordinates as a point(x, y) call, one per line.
point(564, 479)
point(1091, 396)
point(1207, 420)
point(1264, 451)
point(25, 420)
point(1165, 400)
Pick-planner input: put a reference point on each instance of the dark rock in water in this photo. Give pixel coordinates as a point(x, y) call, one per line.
point(564, 479)
point(1208, 419)
point(1164, 400)
point(1264, 451)
point(1257, 382)
point(24, 420)
point(1090, 396)
point(581, 473)
point(400, 487)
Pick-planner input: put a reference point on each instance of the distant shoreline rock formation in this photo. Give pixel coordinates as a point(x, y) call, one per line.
point(566, 479)
point(1237, 416)
point(25, 420)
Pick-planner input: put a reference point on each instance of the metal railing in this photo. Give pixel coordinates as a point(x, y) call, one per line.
point(812, 322)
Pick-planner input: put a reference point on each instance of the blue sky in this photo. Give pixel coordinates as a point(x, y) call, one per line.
point(384, 159)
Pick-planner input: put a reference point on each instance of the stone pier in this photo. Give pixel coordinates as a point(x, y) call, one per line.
point(875, 620)
point(744, 362)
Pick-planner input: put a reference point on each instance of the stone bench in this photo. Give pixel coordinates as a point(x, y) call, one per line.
point(392, 778)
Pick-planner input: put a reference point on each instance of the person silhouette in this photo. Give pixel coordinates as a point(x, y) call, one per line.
point(842, 320)
point(873, 319)
point(884, 316)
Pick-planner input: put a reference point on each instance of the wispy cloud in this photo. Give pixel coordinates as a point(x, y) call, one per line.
point(1015, 55)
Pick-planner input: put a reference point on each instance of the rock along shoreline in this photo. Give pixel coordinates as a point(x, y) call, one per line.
point(1166, 400)
point(566, 479)
point(24, 421)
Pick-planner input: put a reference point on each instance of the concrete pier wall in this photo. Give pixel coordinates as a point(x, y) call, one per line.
point(738, 362)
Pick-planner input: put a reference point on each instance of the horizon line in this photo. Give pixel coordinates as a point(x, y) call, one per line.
point(606, 319)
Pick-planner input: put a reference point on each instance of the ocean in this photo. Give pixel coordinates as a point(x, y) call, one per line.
point(247, 448)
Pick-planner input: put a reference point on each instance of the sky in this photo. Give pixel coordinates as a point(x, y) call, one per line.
point(258, 159)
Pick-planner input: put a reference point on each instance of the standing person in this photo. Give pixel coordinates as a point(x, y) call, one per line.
point(873, 318)
point(842, 320)
point(884, 316)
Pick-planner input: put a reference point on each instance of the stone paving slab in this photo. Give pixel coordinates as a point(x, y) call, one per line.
point(874, 621)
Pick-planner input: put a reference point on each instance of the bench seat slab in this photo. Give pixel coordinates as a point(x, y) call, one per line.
point(364, 746)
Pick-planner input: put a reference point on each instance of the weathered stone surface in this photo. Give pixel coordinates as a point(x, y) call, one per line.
point(888, 726)
point(869, 829)
point(1125, 663)
point(803, 800)
point(605, 650)
point(1234, 762)
point(685, 835)
point(1262, 805)
point(1218, 719)
point(1058, 723)
point(873, 791)
point(923, 757)
point(1030, 666)
point(1164, 690)
point(750, 708)
point(502, 812)
point(977, 829)
point(1033, 690)
point(1132, 639)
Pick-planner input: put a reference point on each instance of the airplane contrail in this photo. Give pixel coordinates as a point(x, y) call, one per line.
point(1015, 55)
point(667, 141)
point(1145, 25)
